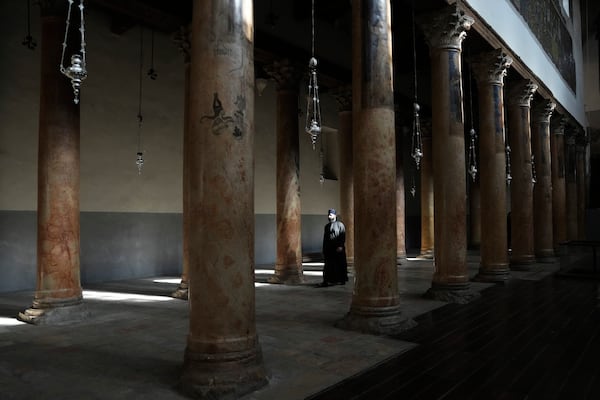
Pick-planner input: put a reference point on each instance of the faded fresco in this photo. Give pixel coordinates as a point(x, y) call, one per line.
point(547, 23)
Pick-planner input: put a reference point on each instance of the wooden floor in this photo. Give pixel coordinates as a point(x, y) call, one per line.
point(525, 340)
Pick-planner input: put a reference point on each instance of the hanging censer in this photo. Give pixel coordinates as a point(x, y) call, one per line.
point(76, 72)
point(313, 107)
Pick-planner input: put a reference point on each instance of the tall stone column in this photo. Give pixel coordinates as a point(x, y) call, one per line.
point(58, 295)
point(400, 200)
point(427, 229)
point(222, 357)
point(581, 147)
point(182, 39)
point(445, 31)
point(489, 70)
point(542, 191)
point(519, 97)
point(559, 199)
point(571, 178)
point(375, 300)
point(346, 181)
point(288, 265)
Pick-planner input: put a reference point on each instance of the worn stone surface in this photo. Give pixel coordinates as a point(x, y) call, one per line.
point(521, 187)
point(427, 233)
point(346, 181)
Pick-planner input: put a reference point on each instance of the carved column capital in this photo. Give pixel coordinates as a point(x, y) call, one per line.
point(542, 111)
point(491, 66)
point(521, 93)
point(557, 125)
point(287, 76)
point(183, 41)
point(446, 28)
point(343, 95)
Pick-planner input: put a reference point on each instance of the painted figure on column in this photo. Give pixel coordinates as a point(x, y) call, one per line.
point(335, 270)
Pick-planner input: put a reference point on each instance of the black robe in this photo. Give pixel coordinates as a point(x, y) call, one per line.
point(336, 268)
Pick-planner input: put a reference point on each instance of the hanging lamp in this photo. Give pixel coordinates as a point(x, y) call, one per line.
point(76, 72)
point(416, 145)
point(508, 175)
point(313, 107)
point(139, 161)
point(472, 159)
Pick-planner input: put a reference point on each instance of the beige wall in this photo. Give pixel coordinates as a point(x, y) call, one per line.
point(109, 106)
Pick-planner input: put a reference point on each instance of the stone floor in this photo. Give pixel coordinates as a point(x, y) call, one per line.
point(132, 345)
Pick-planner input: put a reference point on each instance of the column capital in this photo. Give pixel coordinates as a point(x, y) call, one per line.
point(343, 95)
point(557, 125)
point(183, 40)
point(520, 93)
point(543, 110)
point(490, 66)
point(446, 28)
point(287, 76)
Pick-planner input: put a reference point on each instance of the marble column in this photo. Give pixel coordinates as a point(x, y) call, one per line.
point(182, 39)
point(343, 96)
point(375, 306)
point(58, 294)
point(400, 200)
point(571, 181)
point(288, 265)
point(542, 191)
point(489, 70)
point(427, 228)
point(444, 31)
point(581, 147)
point(519, 96)
point(559, 205)
point(222, 358)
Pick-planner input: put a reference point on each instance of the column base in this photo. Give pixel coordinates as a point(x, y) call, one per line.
point(499, 274)
point(546, 256)
point(522, 262)
point(181, 292)
point(425, 255)
point(375, 320)
point(223, 376)
point(55, 315)
point(400, 259)
point(452, 293)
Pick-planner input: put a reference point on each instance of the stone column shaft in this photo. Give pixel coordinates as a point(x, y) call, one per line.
point(542, 191)
point(288, 266)
point(400, 202)
point(571, 178)
point(427, 210)
point(222, 356)
point(559, 208)
point(475, 213)
point(445, 32)
point(490, 69)
point(346, 181)
point(521, 190)
point(182, 39)
point(375, 300)
point(581, 192)
point(58, 266)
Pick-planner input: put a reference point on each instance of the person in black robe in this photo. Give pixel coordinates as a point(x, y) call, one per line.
point(335, 270)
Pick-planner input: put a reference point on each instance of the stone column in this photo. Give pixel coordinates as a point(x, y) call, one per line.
point(400, 200)
point(571, 178)
point(581, 147)
point(519, 97)
point(375, 300)
point(427, 229)
point(222, 357)
point(475, 213)
point(559, 207)
point(58, 295)
point(288, 265)
point(182, 40)
point(542, 191)
point(445, 31)
point(346, 181)
point(489, 70)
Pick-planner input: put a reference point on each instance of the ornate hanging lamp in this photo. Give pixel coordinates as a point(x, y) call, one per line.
point(139, 161)
point(533, 173)
point(29, 42)
point(313, 107)
point(508, 175)
point(416, 145)
point(472, 159)
point(77, 71)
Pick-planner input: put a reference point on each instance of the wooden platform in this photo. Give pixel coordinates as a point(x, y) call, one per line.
point(525, 340)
